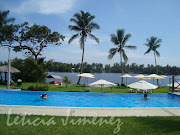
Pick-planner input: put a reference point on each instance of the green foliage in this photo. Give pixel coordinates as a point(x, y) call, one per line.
point(31, 70)
point(38, 88)
point(34, 39)
point(4, 19)
point(26, 70)
point(67, 81)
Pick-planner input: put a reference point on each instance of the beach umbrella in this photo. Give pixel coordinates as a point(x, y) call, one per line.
point(153, 76)
point(86, 75)
point(5, 69)
point(140, 76)
point(126, 76)
point(102, 83)
point(142, 85)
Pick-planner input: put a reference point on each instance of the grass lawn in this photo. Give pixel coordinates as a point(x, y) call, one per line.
point(130, 126)
point(81, 88)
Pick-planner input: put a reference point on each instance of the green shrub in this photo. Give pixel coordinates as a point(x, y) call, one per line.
point(39, 88)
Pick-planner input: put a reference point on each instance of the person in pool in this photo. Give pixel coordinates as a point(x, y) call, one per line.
point(145, 95)
point(44, 95)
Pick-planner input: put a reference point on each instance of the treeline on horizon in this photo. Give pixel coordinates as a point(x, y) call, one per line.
point(107, 68)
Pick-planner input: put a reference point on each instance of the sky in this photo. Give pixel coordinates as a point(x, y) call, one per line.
point(141, 18)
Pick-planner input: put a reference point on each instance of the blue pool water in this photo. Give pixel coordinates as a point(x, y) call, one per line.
point(83, 99)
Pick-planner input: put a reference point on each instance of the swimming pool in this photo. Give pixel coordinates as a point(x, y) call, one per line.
point(85, 99)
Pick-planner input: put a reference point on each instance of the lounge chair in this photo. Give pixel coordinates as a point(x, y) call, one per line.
point(130, 90)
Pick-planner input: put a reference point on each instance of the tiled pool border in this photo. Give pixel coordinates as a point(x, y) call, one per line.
point(90, 112)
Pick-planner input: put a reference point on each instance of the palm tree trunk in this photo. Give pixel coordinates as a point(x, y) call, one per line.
point(155, 63)
point(156, 67)
point(121, 69)
point(81, 65)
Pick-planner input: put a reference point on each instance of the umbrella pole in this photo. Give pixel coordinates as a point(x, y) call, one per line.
point(9, 70)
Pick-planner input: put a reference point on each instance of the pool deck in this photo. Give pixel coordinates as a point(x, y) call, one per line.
point(89, 111)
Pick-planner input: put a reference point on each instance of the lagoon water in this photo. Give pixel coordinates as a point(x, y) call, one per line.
point(112, 77)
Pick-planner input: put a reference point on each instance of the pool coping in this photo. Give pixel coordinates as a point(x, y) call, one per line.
point(90, 111)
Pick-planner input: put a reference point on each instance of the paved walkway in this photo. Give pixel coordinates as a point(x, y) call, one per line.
point(86, 111)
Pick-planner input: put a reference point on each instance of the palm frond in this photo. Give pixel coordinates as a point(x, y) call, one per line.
point(78, 16)
point(157, 46)
point(120, 35)
point(75, 28)
point(90, 18)
point(93, 25)
point(93, 37)
point(148, 45)
point(149, 49)
point(157, 53)
point(112, 52)
point(125, 39)
point(75, 21)
point(125, 58)
point(72, 38)
point(114, 39)
point(131, 47)
point(158, 41)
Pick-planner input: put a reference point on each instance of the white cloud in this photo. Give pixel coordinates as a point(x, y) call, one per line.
point(45, 6)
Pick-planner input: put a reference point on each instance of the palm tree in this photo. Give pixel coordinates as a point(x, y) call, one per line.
point(83, 26)
point(120, 41)
point(40, 67)
point(4, 18)
point(153, 43)
point(67, 81)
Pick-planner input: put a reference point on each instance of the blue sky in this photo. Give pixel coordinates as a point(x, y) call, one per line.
point(141, 18)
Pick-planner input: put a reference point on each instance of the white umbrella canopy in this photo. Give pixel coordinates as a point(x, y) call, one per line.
point(142, 85)
point(140, 76)
point(88, 75)
point(153, 76)
point(126, 76)
point(102, 83)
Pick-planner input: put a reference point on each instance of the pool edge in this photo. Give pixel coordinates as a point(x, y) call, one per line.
point(89, 111)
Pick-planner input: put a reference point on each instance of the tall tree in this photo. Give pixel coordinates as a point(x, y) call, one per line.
point(4, 19)
point(83, 26)
point(153, 44)
point(120, 41)
point(7, 32)
point(34, 39)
